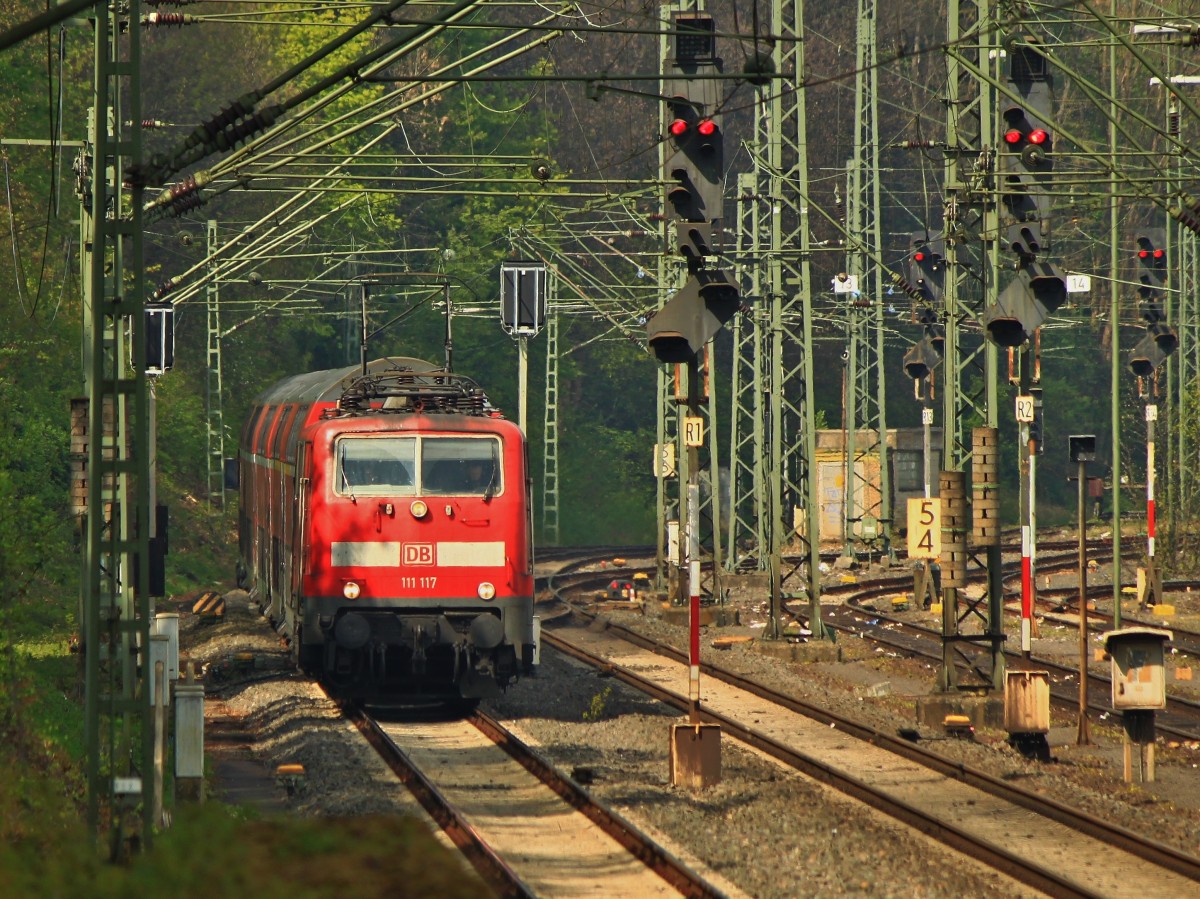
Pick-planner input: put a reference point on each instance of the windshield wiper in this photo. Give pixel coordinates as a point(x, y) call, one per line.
point(491, 486)
point(347, 487)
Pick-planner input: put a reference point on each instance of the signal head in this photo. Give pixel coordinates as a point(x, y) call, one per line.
point(1152, 251)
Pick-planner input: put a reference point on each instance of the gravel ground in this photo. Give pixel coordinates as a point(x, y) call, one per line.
point(771, 833)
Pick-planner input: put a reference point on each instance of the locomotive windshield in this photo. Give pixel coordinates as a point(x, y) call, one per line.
point(377, 465)
point(464, 466)
point(404, 466)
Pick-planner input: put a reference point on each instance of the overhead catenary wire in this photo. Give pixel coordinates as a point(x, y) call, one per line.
point(1135, 193)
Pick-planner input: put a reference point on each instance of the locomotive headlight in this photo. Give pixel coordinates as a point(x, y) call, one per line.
point(418, 508)
point(351, 590)
point(487, 592)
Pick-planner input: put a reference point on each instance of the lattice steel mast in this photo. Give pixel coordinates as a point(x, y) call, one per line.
point(780, 154)
point(969, 214)
point(214, 402)
point(866, 420)
point(550, 533)
point(114, 588)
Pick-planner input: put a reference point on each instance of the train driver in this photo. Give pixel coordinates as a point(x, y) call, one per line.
point(478, 476)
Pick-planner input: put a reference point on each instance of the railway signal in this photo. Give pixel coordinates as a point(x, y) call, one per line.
point(926, 354)
point(693, 179)
point(1152, 266)
point(921, 359)
point(926, 266)
point(1026, 160)
point(1153, 349)
point(160, 338)
point(1160, 340)
point(694, 171)
point(697, 311)
point(522, 297)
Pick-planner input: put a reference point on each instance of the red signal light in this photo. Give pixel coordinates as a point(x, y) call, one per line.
point(678, 128)
point(1143, 254)
point(1160, 254)
point(707, 127)
point(1038, 136)
point(918, 256)
point(1013, 136)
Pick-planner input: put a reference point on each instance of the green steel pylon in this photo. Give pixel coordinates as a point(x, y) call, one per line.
point(550, 533)
point(970, 380)
point(867, 504)
point(213, 400)
point(114, 587)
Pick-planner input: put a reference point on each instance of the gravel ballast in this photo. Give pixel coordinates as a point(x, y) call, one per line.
point(767, 831)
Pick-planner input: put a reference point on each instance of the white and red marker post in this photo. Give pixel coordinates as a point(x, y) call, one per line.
point(693, 550)
point(1151, 418)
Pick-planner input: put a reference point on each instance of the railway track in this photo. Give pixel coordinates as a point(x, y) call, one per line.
point(1181, 719)
point(527, 828)
point(961, 807)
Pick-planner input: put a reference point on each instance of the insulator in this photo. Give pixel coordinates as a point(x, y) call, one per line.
point(907, 288)
point(186, 204)
point(1185, 215)
point(1173, 123)
point(153, 123)
point(235, 134)
point(183, 196)
point(169, 2)
point(167, 19)
point(209, 130)
point(163, 289)
point(915, 145)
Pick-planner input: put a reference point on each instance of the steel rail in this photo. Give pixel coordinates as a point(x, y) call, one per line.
point(994, 856)
point(1159, 854)
point(636, 843)
point(1186, 708)
point(495, 872)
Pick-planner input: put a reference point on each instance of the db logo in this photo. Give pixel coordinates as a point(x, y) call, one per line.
point(418, 553)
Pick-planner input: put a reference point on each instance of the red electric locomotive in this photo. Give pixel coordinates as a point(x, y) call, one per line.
point(386, 531)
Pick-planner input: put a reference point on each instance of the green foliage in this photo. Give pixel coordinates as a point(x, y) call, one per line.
point(596, 709)
point(217, 850)
point(36, 529)
point(182, 430)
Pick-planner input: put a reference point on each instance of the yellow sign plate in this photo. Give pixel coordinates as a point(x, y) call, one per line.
point(924, 528)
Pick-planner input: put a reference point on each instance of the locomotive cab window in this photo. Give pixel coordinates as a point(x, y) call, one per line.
point(461, 466)
point(376, 466)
